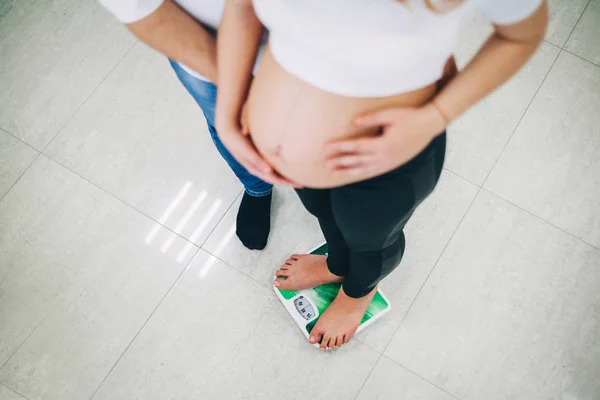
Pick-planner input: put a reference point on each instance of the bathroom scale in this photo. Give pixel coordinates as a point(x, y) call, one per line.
point(306, 306)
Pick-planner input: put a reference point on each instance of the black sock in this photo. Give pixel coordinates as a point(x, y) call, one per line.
point(254, 221)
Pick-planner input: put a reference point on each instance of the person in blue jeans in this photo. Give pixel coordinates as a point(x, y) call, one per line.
point(253, 218)
point(185, 32)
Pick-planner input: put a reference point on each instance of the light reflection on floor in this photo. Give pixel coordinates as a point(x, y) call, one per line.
point(211, 261)
point(172, 206)
point(183, 222)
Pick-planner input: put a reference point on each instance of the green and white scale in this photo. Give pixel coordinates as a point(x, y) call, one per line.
point(306, 306)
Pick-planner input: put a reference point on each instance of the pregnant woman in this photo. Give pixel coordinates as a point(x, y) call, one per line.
point(347, 107)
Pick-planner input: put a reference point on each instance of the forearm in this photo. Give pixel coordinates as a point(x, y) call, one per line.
point(172, 32)
point(239, 38)
point(497, 61)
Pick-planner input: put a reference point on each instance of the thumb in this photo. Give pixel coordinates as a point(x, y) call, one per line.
point(376, 118)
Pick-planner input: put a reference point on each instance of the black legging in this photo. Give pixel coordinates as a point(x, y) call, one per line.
point(363, 222)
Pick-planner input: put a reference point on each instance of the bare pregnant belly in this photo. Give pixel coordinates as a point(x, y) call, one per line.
point(292, 121)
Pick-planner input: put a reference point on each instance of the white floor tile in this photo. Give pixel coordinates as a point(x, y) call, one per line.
point(293, 230)
point(585, 40)
point(427, 233)
point(512, 311)
point(389, 381)
point(7, 394)
point(564, 14)
point(220, 335)
point(477, 138)
point(74, 263)
point(15, 157)
point(54, 54)
point(142, 138)
point(550, 167)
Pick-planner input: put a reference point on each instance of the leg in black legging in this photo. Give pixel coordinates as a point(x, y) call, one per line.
point(304, 271)
point(318, 203)
point(371, 216)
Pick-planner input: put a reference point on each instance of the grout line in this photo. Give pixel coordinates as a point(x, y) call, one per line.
point(88, 97)
point(552, 44)
point(14, 391)
point(237, 269)
point(368, 377)
point(65, 124)
point(120, 200)
point(20, 176)
point(19, 139)
point(576, 23)
point(541, 219)
point(145, 322)
point(219, 222)
point(425, 379)
point(461, 177)
point(432, 269)
point(109, 194)
point(454, 233)
point(520, 120)
point(581, 58)
point(30, 333)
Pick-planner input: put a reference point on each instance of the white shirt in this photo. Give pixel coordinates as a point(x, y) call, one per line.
point(358, 48)
point(372, 48)
point(209, 12)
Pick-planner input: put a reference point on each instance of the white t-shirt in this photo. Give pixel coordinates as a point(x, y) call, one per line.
point(372, 48)
point(358, 48)
point(209, 12)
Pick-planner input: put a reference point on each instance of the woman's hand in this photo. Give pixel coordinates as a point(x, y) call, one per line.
point(241, 147)
point(405, 132)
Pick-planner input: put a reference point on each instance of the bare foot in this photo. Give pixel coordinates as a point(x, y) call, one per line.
point(304, 272)
point(341, 319)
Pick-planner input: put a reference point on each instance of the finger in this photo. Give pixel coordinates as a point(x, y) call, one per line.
point(285, 181)
point(273, 179)
point(245, 129)
point(377, 118)
point(368, 145)
point(258, 167)
point(363, 170)
point(256, 162)
point(353, 161)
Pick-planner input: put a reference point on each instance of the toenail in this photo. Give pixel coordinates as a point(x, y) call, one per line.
point(277, 284)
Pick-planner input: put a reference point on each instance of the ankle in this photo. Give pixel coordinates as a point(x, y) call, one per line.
point(351, 299)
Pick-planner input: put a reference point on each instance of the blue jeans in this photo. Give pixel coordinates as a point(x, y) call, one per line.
point(205, 94)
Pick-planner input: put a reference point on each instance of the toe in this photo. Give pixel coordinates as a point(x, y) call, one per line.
point(315, 337)
point(282, 283)
point(339, 341)
point(347, 337)
point(282, 272)
point(325, 342)
point(333, 342)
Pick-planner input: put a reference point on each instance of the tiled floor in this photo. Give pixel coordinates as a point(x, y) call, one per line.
point(120, 276)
